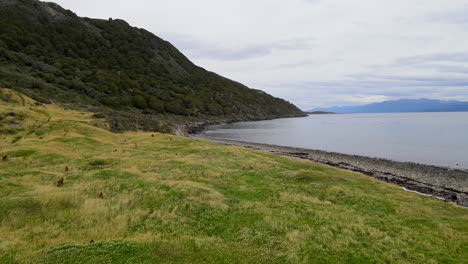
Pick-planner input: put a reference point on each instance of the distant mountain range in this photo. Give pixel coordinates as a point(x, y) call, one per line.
point(401, 106)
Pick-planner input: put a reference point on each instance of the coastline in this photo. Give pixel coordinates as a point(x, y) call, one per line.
point(196, 128)
point(443, 183)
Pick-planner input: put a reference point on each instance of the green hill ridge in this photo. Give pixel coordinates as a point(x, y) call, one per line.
point(126, 74)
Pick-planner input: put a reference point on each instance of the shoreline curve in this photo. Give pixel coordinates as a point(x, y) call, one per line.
point(443, 183)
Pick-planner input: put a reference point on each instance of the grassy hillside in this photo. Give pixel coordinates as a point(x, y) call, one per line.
point(130, 76)
point(179, 200)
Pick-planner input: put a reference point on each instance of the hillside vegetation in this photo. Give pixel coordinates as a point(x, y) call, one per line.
point(138, 197)
point(128, 75)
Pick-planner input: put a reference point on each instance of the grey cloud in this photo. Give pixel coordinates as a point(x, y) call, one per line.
point(202, 50)
point(293, 44)
point(297, 64)
point(371, 80)
point(450, 68)
point(457, 57)
point(231, 54)
point(458, 16)
point(198, 49)
point(316, 94)
point(372, 85)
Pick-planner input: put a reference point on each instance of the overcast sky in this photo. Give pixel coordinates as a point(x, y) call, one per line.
point(314, 53)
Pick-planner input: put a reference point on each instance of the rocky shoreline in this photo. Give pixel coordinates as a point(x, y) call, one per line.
point(193, 128)
point(444, 183)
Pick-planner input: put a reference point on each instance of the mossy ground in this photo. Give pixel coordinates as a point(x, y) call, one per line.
point(180, 200)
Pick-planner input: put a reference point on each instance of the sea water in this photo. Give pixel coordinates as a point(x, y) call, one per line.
point(439, 139)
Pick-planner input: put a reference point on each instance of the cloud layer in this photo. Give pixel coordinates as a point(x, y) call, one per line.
point(314, 53)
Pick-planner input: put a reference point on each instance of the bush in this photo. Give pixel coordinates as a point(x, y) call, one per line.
point(139, 102)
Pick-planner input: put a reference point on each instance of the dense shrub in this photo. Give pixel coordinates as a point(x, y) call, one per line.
point(51, 54)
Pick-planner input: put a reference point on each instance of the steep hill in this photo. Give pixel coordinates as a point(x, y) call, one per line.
point(126, 74)
point(401, 106)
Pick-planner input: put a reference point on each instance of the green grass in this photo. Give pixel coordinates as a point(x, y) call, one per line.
point(179, 200)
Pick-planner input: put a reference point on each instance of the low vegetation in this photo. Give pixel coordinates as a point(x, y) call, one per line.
point(71, 192)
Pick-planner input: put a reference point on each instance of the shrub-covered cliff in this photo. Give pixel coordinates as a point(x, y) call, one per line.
point(128, 75)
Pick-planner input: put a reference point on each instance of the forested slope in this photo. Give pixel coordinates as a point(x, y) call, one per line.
point(130, 76)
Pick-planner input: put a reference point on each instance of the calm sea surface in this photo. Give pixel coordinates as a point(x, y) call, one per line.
point(429, 138)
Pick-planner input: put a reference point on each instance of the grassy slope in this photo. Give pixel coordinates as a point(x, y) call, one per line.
point(179, 200)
